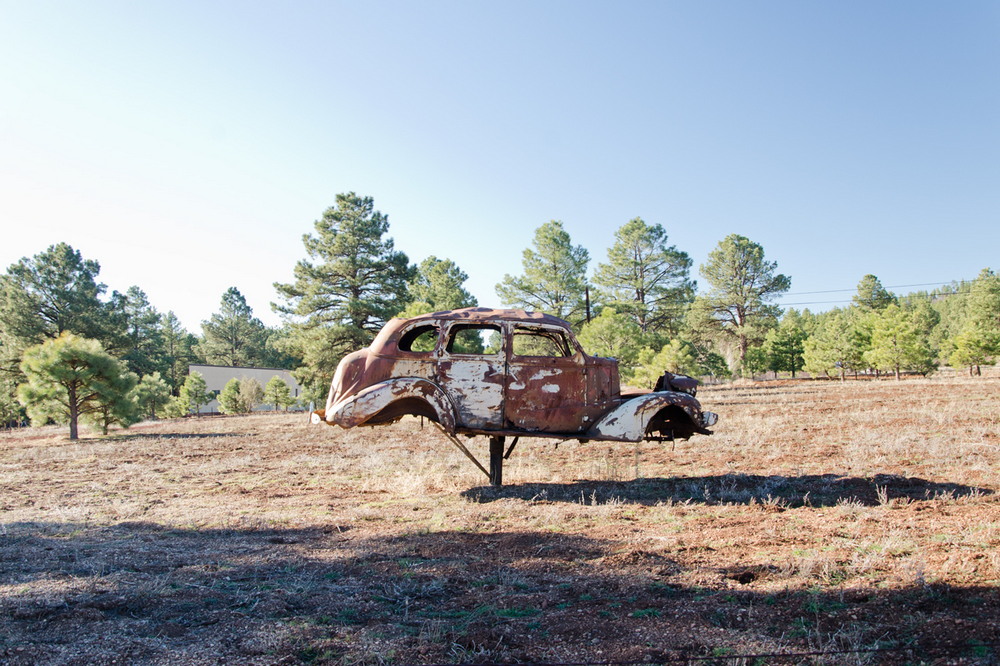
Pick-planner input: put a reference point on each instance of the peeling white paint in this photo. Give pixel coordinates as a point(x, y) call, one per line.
point(478, 399)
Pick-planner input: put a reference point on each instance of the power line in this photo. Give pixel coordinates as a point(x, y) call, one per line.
point(908, 296)
point(961, 283)
point(891, 286)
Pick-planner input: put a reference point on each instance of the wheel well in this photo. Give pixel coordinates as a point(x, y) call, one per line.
point(403, 407)
point(669, 423)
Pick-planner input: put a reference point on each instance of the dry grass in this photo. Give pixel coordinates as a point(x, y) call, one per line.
point(820, 516)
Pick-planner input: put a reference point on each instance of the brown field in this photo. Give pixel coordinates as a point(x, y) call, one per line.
point(859, 520)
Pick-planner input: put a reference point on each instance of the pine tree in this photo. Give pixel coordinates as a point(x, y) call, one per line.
point(740, 283)
point(897, 343)
point(974, 347)
point(143, 342)
point(194, 393)
point(351, 284)
point(872, 295)
point(613, 335)
point(151, 393)
point(71, 377)
point(178, 350)
point(836, 346)
point(54, 292)
point(229, 398)
point(784, 345)
point(233, 336)
point(116, 403)
point(437, 286)
point(678, 357)
point(278, 394)
point(978, 342)
point(646, 278)
point(554, 279)
point(984, 305)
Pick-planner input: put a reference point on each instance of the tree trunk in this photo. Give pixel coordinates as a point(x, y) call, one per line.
point(897, 374)
point(73, 414)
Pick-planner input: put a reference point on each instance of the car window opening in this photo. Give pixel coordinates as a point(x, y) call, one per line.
point(540, 342)
point(469, 339)
point(419, 339)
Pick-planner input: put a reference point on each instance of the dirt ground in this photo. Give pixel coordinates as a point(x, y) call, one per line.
point(840, 523)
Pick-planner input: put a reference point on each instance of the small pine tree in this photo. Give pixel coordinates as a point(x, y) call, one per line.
point(175, 408)
point(194, 393)
point(973, 347)
point(783, 345)
point(277, 393)
point(613, 335)
point(677, 357)
point(152, 393)
point(229, 399)
point(897, 344)
point(71, 377)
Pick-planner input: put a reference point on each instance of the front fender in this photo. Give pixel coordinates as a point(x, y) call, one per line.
point(411, 395)
point(628, 421)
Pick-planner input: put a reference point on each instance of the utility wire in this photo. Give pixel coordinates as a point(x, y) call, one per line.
point(891, 286)
point(849, 300)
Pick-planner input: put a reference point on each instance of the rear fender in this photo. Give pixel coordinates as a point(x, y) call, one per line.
point(629, 421)
point(387, 401)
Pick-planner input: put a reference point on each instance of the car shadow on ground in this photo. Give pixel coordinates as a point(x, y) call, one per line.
point(816, 490)
point(142, 592)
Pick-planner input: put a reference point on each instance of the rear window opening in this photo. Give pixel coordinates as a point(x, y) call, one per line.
point(419, 339)
point(544, 342)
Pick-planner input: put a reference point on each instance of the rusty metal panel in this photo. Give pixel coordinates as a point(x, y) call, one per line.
point(475, 386)
point(546, 393)
point(474, 382)
point(603, 387)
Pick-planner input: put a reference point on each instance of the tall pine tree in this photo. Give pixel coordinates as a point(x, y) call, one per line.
point(647, 279)
point(233, 336)
point(353, 281)
point(54, 292)
point(741, 283)
point(554, 280)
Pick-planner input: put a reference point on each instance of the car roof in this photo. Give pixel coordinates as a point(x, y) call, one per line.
point(468, 315)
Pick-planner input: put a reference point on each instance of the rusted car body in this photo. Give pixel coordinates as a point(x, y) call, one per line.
point(531, 379)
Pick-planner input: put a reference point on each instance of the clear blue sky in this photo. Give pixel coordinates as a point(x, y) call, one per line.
point(187, 146)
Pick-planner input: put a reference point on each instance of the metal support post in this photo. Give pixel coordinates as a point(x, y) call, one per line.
point(496, 461)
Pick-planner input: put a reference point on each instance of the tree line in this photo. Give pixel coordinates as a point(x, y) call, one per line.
point(640, 305)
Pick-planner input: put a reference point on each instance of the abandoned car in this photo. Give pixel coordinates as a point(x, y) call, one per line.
point(500, 373)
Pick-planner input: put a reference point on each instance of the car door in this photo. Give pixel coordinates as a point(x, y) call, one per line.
point(546, 385)
point(472, 374)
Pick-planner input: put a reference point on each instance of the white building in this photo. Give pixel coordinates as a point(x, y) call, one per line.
point(217, 376)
